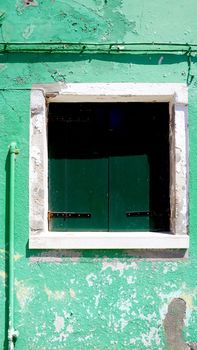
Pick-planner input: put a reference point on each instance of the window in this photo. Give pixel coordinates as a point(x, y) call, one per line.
point(109, 166)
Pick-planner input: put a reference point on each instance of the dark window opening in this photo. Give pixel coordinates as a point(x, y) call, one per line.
point(108, 167)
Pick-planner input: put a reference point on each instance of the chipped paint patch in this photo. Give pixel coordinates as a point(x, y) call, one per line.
point(166, 299)
point(149, 317)
point(57, 256)
point(24, 293)
point(3, 276)
point(30, 2)
point(130, 280)
point(189, 297)
point(54, 295)
point(117, 265)
point(152, 336)
point(17, 257)
point(170, 267)
point(109, 279)
point(28, 31)
point(91, 279)
point(69, 328)
point(97, 298)
point(185, 294)
point(123, 324)
point(59, 323)
point(72, 293)
point(124, 305)
point(21, 5)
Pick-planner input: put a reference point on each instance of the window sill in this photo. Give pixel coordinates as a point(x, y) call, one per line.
point(108, 240)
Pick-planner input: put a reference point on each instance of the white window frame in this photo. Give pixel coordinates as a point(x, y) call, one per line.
point(177, 97)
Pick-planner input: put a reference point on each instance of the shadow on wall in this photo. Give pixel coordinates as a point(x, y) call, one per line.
point(138, 58)
point(66, 73)
point(37, 255)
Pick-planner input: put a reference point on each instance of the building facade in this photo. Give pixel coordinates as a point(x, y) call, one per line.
point(118, 293)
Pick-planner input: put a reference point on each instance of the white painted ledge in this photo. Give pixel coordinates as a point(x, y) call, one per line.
point(108, 240)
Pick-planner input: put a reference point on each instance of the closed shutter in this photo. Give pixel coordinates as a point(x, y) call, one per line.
point(108, 167)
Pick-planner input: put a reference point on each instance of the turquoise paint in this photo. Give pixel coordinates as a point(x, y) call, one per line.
point(90, 299)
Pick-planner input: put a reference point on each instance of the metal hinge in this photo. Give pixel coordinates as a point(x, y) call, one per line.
point(67, 215)
point(138, 213)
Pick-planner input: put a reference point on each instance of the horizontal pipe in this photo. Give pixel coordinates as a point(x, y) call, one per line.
point(97, 44)
point(74, 47)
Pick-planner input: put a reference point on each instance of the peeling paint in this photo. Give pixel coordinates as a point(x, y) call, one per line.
point(28, 31)
point(152, 336)
point(91, 279)
point(30, 2)
point(24, 293)
point(183, 294)
point(130, 280)
point(97, 298)
point(69, 329)
point(3, 277)
point(107, 299)
point(72, 293)
point(59, 323)
point(57, 256)
point(124, 305)
point(172, 266)
point(117, 265)
point(17, 256)
point(21, 5)
point(55, 294)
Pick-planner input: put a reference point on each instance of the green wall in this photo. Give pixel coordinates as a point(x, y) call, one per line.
point(92, 300)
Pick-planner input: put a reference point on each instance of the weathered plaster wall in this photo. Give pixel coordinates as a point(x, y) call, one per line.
point(102, 300)
point(99, 20)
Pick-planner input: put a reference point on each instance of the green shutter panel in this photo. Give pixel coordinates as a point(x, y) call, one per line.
point(78, 173)
point(129, 193)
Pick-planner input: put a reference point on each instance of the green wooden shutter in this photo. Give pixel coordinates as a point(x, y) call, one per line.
point(129, 193)
point(78, 172)
point(111, 162)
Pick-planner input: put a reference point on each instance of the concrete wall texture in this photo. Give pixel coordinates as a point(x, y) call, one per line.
point(93, 300)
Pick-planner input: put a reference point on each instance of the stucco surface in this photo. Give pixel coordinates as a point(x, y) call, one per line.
point(99, 20)
point(101, 300)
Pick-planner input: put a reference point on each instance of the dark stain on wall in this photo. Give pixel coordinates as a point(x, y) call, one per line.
point(173, 325)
